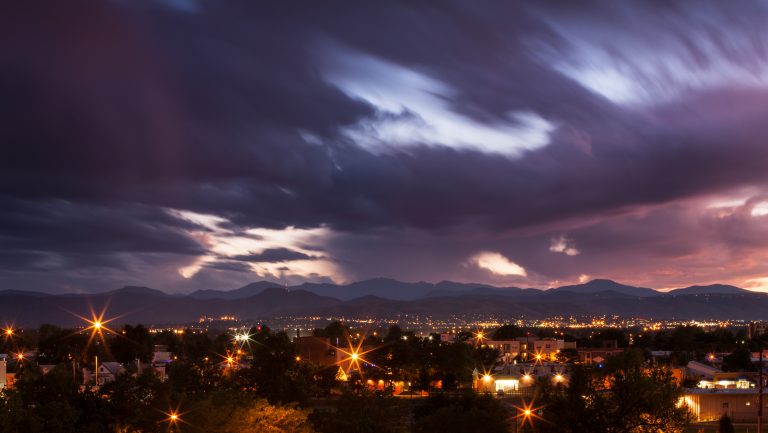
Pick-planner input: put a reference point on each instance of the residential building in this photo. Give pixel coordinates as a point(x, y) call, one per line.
point(508, 349)
point(597, 355)
point(161, 357)
point(107, 373)
point(756, 329)
point(700, 371)
point(711, 404)
point(318, 351)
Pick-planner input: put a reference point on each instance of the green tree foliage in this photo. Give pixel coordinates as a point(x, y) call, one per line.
point(131, 343)
point(625, 396)
point(568, 356)
point(468, 413)
point(50, 403)
point(508, 332)
point(739, 360)
point(362, 413)
point(725, 425)
point(261, 417)
point(56, 345)
point(336, 331)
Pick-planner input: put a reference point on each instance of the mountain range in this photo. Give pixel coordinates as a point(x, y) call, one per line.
point(386, 298)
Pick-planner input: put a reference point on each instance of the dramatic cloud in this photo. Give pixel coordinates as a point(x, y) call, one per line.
point(563, 245)
point(498, 264)
point(187, 144)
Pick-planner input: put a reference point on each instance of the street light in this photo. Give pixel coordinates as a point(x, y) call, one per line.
point(526, 415)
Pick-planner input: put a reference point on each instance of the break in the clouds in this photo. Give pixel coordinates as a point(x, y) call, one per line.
point(192, 144)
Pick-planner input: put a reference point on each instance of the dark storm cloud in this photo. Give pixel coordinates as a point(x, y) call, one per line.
point(274, 255)
point(114, 112)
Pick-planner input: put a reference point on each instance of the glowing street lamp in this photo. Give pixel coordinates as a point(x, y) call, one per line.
point(526, 414)
point(173, 418)
point(354, 355)
point(97, 325)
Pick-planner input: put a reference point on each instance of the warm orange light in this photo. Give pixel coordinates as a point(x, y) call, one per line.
point(230, 359)
point(20, 356)
point(487, 378)
point(527, 413)
point(97, 325)
point(174, 417)
point(527, 377)
point(354, 355)
point(298, 358)
point(559, 377)
point(9, 332)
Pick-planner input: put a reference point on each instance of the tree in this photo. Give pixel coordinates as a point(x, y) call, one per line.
point(507, 332)
point(336, 331)
point(362, 413)
point(739, 360)
point(725, 425)
point(262, 417)
point(625, 396)
point(468, 413)
point(130, 344)
point(568, 356)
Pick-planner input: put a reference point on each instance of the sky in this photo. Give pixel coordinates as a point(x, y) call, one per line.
point(200, 144)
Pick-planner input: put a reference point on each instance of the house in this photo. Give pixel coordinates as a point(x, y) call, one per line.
point(161, 357)
point(318, 351)
point(540, 349)
point(597, 355)
point(511, 379)
point(711, 404)
point(106, 372)
point(700, 371)
point(508, 349)
point(756, 329)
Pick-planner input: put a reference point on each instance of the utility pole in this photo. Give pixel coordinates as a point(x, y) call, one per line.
point(760, 393)
point(96, 371)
